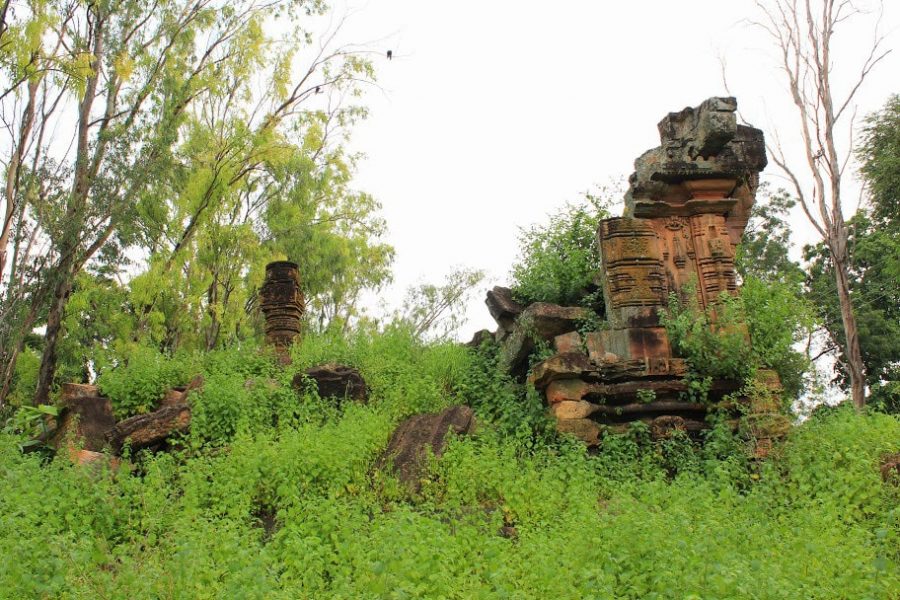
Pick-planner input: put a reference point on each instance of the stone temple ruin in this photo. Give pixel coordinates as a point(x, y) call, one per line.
point(686, 209)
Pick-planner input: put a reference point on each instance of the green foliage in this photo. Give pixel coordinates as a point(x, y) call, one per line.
point(874, 271)
point(778, 318)
point(879, 153)
point(297, 510)
point(514, 410)
point(764, 251)
point(646, 396)
point(559, 259)
point(712, 339)
point(139, 382)
point(757, 328)
point(25, 379)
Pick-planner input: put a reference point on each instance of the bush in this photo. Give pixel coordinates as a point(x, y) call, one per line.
point(714, 339)
point(777, 319)
point(281, 498)
point(559, 259)
point(137, 383)
point(24, 381)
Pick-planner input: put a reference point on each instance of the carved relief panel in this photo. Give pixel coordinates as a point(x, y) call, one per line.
point(634, 277)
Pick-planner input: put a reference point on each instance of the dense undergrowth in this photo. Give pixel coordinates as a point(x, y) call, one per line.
point(275, 495)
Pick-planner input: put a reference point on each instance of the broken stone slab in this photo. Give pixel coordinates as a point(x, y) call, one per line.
point(649, 408)
point(699, 143)
point(650, 368)
point(566, 390)
point(890, 468)
point(179, 395)
point(409, 444)
point(334, 380)
point(539, 322)
point(503, 308)
point(95, 460)
point(83, 421)
point(573, 409)
point(72, 391)
point(764, 429)
point(634, 343)
point(582, 409)
point(574, 365)
point(145, 431)
point(571, 365)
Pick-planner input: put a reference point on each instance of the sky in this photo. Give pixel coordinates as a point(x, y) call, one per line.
point(493, 114)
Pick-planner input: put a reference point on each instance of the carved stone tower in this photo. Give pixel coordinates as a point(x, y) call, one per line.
point(282, 303)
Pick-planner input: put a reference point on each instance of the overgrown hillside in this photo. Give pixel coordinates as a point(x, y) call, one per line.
point(276, 495)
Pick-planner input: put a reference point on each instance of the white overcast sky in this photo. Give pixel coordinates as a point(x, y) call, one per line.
point(494, 113)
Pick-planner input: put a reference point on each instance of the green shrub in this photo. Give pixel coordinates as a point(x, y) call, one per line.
point(282, 499)
point(139, 381)
point(559, 259)
point(713, 340)
point(778, 318)
point(24, 381)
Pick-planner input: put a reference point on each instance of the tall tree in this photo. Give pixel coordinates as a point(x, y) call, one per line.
point(803, 32)
point(875, 260)
point(133, 81)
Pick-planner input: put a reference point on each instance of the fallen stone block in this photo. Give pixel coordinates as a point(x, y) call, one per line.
point(83, 421)
point(562, 390)
point(145, 431)
point(583, 429)
point(409, 444)
point(572, 365)
point(539, 322)
point(568, 342)
point(568, 409)
point(334, 381)
point(503, 308)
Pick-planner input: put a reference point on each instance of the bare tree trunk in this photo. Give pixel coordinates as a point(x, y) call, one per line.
point(12, 173)
point(54, 326)
point(852, 353)
point(803, 32)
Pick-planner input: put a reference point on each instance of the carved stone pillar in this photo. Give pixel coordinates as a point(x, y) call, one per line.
point(635, 287)
point(282, 303)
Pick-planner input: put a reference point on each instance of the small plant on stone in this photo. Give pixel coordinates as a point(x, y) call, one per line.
point(646, 396)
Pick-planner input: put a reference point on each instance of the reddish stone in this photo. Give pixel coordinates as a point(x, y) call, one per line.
point(83, 423)
point(584, 429)
point(566, 390)
point(332, 380)
point(503, 308)
point(561, 366)
point(890, 468)
point(282, 303)
point(568, 342)
point(568, 409)
point(411, 440)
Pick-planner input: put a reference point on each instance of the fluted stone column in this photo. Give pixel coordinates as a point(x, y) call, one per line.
point(282, 303)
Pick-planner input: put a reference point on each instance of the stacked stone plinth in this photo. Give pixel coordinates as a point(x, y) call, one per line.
point(282, 303)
